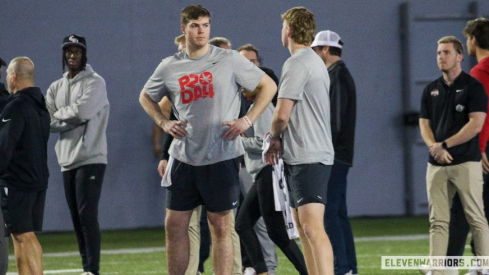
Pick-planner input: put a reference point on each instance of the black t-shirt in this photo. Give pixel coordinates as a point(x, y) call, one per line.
point(448, 110)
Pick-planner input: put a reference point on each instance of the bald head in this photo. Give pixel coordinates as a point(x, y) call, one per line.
point(20, 74)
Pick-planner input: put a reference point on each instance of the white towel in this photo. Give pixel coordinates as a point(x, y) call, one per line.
point(278, 193)
point(265, 146)
point(281, 193)
point(166, 180)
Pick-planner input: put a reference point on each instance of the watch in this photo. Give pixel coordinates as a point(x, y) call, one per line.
point(444, 145)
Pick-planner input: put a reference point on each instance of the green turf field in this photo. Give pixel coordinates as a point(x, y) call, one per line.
point(141, 251)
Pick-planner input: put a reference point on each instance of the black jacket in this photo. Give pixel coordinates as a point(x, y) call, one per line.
point(4, 96)
point(343, 111)
point(24, 133)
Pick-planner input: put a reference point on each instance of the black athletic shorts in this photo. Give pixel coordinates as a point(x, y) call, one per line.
point(22, 211)
point(216, 186)
point(307, 183)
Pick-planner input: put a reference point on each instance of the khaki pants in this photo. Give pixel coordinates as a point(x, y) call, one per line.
point(194, 236)
point(441, 183)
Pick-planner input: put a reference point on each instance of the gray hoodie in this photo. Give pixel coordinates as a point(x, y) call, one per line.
point(79, 111)
point(254, 141)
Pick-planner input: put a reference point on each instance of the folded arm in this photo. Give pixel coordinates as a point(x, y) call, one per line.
point(90, 103)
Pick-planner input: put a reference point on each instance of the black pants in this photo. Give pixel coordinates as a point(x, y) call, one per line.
point(3, 246)
point(259, 202)
point(459, 227)
point(83, 186)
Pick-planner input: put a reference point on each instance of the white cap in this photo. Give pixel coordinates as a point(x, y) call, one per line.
point(327, 38)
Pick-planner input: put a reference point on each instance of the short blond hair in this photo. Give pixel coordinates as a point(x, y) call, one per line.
point(218, 41)
point(180, 39)
point(302, 23)
point(459, 48)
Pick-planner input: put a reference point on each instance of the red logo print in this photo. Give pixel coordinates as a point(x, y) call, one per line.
point(205, 78)
point(193, 87)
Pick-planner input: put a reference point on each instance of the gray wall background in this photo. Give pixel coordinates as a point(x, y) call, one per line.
point(127, 39)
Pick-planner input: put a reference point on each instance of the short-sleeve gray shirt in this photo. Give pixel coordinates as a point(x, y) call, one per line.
point(204, 92)
point(307, 138)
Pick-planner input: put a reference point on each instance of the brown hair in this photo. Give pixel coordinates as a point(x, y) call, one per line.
point(478, 28)
point(459, 48)
point(193, 12)
point(250, 48)
point(302, 23)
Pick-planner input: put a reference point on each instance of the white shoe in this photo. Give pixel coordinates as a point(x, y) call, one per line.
point(249, 271)
point(425, 270)
point(349, 272)
point(87, 273)
point(475, 271)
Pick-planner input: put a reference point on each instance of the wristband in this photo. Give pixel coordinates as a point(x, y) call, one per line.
point(247, 120)
point(444, 145)
point(272, 138)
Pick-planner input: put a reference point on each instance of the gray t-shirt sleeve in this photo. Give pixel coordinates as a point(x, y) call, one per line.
point(247, 74)
point(155, 86)
point(293, 80)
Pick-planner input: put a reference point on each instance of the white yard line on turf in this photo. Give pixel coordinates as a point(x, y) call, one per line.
point(393, 238)
point(162, 249)
point(76, 253)
point(105, 252)
point(64, 271)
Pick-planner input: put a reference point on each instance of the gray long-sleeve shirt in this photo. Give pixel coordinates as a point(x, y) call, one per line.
point(254, 141)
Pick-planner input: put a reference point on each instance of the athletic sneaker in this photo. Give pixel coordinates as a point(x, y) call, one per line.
point(424, 270)
point(249, 271)
point(475, 271)
point(87, 273)
point(349, 272)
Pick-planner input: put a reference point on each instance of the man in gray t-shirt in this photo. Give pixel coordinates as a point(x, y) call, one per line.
point(203, 83)
point(302, 120)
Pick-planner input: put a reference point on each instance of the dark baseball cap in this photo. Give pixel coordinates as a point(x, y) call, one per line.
point(74, 40)
point(2, 63)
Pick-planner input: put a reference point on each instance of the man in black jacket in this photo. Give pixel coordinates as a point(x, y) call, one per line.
point(24, 133)
point(3, 91)
point(328, 45)
point(4, 96)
